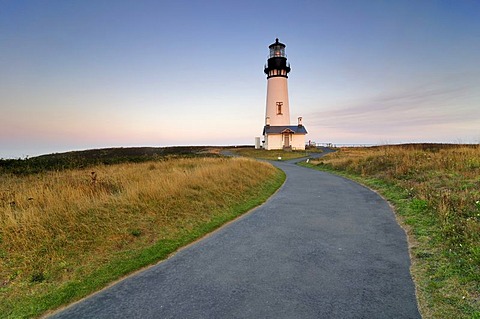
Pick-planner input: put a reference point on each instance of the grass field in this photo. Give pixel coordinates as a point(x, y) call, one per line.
point(273, 155)
point(436, 192)
point(66, 233)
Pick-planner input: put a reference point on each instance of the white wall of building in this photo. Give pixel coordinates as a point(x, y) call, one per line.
point(276, 142)
point(273, 142)
point(298, 142)
point(277, 91)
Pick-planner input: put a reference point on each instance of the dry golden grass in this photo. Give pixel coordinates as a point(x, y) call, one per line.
point(441, 185)
point(59, 226)
point(448, 179)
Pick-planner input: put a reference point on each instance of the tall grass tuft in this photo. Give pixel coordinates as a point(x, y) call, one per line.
point(59, 227)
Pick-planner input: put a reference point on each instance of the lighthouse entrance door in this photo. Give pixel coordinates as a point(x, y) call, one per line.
point(286, 140)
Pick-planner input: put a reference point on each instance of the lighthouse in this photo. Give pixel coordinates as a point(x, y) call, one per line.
point(278, 133)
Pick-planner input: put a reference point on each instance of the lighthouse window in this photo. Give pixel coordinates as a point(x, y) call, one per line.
point(277, 52)
point(279, 108)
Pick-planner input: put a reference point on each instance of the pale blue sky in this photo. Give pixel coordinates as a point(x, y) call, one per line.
point(90, 74)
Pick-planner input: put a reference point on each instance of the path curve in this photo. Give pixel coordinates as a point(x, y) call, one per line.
point(321, 247)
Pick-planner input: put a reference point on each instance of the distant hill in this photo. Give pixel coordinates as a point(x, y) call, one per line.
point(106, 156)
point(131, 152)
point(427, 146)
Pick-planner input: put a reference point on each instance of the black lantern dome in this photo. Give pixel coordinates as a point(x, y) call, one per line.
point(277, 61)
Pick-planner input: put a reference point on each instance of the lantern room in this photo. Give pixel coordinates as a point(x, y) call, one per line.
point(277, 64)
point(277, 49)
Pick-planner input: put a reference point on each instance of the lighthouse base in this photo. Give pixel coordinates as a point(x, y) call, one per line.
point(284, 137)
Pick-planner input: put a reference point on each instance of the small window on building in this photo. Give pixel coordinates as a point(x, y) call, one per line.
point(279, 108)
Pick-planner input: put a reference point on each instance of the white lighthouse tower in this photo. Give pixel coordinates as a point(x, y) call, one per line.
point(277, 132)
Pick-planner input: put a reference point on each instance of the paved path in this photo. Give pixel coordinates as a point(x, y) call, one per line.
point(322, 247)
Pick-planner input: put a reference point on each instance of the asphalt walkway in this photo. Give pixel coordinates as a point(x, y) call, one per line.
point(321, 247)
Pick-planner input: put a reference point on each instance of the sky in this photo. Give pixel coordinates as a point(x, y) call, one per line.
point(92, 74)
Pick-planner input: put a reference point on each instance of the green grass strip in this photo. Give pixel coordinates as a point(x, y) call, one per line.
point(273, 155)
